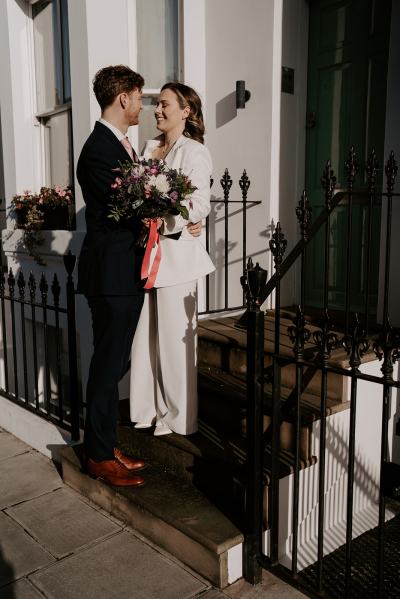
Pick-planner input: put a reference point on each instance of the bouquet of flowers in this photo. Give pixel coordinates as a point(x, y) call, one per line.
point(149, 189)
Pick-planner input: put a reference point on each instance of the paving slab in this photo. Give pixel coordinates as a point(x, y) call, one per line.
point(19, 553)
point(61, 522)
point(22, 589)
point(121, 567)
point(11, 446)
point(213, 594)
point(26, 476)
point(270, 587)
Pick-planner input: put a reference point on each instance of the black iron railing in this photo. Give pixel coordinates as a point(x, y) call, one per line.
point(36, 375)
point(225, 304)
point(314, 350)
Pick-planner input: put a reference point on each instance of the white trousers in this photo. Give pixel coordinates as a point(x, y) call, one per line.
point(164, 359)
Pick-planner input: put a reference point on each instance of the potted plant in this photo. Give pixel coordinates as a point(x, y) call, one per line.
point(50, 209)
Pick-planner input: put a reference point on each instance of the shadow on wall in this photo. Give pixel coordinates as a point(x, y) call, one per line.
point(225, 110)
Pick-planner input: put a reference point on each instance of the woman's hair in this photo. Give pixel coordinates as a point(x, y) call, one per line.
point(111, 81)
point(188, 97)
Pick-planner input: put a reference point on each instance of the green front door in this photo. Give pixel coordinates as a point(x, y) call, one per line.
point(346, 98)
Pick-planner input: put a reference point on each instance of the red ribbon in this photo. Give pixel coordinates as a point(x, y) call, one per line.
point(151, 274)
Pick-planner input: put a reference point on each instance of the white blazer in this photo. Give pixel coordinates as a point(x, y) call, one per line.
point(185, 259)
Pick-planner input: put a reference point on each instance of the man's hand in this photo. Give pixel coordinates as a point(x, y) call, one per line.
point(195, 228)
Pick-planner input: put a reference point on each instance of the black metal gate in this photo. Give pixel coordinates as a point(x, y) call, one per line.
point(313, 350)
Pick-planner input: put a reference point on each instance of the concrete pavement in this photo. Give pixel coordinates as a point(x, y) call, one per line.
point(57, 545)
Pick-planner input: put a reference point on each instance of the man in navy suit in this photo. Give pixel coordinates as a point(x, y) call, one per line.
point(109, 271)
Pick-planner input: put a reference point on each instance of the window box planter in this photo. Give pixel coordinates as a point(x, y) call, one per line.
point(55, 218)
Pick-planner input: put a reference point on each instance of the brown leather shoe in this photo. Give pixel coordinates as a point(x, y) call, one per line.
point(130, 464)
point(114, 473)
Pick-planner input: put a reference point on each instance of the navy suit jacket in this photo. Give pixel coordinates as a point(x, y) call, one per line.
point(109, 263)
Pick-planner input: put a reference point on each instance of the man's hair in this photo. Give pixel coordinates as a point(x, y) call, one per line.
point(111, 81)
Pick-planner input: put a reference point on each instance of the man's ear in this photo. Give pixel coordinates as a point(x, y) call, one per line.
point(123, 100)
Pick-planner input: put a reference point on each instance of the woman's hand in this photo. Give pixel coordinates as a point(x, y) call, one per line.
point(195, 228)
point(147, 221)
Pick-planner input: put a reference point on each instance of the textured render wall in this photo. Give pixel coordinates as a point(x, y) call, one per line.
point(243, 42)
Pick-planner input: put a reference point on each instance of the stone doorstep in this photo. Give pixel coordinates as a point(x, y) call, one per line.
point(172, 514)
point(199, 458)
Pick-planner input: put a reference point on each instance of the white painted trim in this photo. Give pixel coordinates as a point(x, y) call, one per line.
point(235, 563)
point(131, 22)
point(194, 46)
point(274, 166)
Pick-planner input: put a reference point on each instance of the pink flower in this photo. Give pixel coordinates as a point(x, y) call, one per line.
point(154, 170)
point(58, 189)
point(173, 196)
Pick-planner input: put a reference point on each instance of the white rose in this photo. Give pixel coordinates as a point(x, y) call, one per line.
point(160, 182)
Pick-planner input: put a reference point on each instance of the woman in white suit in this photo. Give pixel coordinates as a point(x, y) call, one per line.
point(164, 350)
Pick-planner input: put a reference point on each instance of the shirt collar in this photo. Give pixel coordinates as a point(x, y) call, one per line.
point(119, 135)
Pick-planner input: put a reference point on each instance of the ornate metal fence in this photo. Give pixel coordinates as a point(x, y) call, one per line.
point(35, 373)
point(314, 350)
point(226, 184)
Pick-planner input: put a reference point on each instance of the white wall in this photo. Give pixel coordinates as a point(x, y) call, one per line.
point(243, 42)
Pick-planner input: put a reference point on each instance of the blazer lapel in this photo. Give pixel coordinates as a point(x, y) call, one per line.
point(104, 131)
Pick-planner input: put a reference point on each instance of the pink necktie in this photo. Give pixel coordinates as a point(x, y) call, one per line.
point(127, 145)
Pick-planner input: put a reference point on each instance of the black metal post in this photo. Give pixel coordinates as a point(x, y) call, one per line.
point(69, 263)
point(226, 183)
point(356, 345)
point(21, 287)
point(277, 245)
point(244, 184)
point(4, 330)
point(32, 295)
point(11, 289)
point(253, 282)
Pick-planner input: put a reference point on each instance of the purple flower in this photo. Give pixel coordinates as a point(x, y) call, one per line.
point(173, 196)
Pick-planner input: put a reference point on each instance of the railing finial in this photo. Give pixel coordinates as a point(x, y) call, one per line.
point(391, 172)
point(303, 213)
point(328, 182)
point(352, 167)
point(372, 169)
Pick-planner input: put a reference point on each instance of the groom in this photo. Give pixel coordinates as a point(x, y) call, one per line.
point(109, 271)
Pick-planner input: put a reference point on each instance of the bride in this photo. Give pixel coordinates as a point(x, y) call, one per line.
point(164, 351)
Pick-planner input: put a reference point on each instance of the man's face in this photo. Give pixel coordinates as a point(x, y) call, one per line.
point(133, 106)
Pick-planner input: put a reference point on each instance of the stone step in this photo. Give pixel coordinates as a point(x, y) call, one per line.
point(214, 458)
point(223, 346)
point(222, 404)
point(169, 511)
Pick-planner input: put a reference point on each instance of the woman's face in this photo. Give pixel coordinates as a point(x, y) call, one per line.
point(169, 115)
